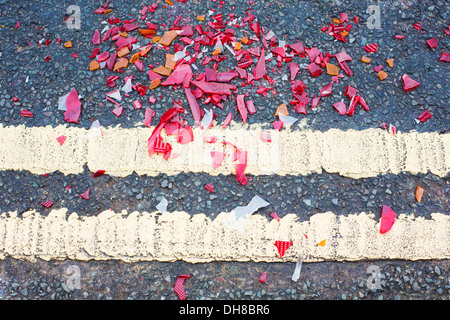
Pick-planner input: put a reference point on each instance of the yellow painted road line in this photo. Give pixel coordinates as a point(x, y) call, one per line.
point(121, 152)
point(179, 236)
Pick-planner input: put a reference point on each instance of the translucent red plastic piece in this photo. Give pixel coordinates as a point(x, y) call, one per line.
point(85, 195)
point(293, 69)
point(387, 219)
point(425, 116)
point(314, 69)
point(61, 139)
point(47, 203)
point(179, 288)
point(409, 84)
point(149, 114)
point(282, 246)
point(73, 107)
point(260, 68)
point(340, 107)
point(209, 187)
point(26, 113)
point(96, 37)
point(433, 42)
point(217, 157)
point(241, 107)
point(98, 173)
point(371, 47)
point(263, 277)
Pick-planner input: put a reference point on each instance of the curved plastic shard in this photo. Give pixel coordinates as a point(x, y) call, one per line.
point(387, 219)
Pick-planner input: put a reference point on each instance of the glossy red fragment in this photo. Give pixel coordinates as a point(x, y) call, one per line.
point(148, 116)
point(227, 120)
point(94, 53)
point(340, 107)
point(96, 37)
point(260, 68)
point(326, 90)
point(209, 187)
point(409, 84)
point(47, 203)
point(425, 116)
point(371, 47)
point(241, 107)
point(98, 173)
point(445, 57)
point(179, 288)
point(85, 195)
point(178, 75)
point(73, 107)
point(217, 158)
point(433, 42)
point(26, 113)
point(282, 246)
point(387, 219)
point(61, 139)
point(293, 69)
point(193, 104)
point(263, 277)
point(314, 69)
point(214, 87)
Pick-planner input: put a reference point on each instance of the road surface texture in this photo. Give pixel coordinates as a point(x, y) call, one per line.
point(327, 175)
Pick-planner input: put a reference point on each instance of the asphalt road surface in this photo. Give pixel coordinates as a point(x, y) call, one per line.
point(327, 175)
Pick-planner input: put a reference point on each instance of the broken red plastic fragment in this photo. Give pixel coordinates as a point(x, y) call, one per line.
point(185, 135)
point(275, 216)
point(26, 113)
point(350, 91)
point(178, 75)
point(193, 104)
point(371, 47)
point(96, 37)
point(211, 139)
point(241, 107)
point(417, 25)
point(387, 219)
point(178, 288)
point(217, 157)
point(214, 87)
point(326, 90)
point(263, 277)
point(425, 116)
point(17, 24)
point(282, 246)
point(98, 173)
point(260, 68)
point(433, 42)
point(409, 84)
point(149, 114)
point(250, 106)
point(227, 120)
point(61, 139)
point(85, 195)
point(297, 47)
point(293, 69)
point(399, 37)
point(340, 107)
point(277, 125)
point(314, 69)
point(73, 107)
point(118, 111)
point(209, 187)
point(265, 136)
point(47, 204)
point(445, 57)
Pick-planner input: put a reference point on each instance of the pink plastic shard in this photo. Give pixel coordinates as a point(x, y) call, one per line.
point(227, 120)
point(178, 75)
point(226, 76)
point(275, 216)
point(445, 57)
point(193, 104)
point(111, 61)
point(73, 107)
point(326, 90)
point(130, 26)
point(241, 107)
point(265, 136)
point(340, 107)
point(85, 195)
point(26, 113)
point(123, 42)
point(214, 87)
point(433, 42)
point(315, 102)
point(277, 125)
point(260, 68)
point(178, 288)
point(387, 219)
point(293, 69)
point(250, 106)
point(297, 47)
point(118, 111)
point(217, 157)
point(241, 157)
point(96, 37)
point(185, 135)
point(409, 84)
point(371, 47)
point(263, 277)
point(61, 139)
point(149, 114)
point(211, 139)
point(314, 69)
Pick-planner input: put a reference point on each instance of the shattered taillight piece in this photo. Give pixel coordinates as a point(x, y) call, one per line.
point(26, 113)
point(96, 37)
point(263, 277)
point(326, 90)
point(433, 42)
point(425, 116)
point(282, 246)
point(387, 219)
point(314, 69)
point(47, 204)
point(217, 158)
point(445, 57)
point(245, 61)
point(371, 47)
point(85, 195)
point(209, 187)
point(241, 107)
point(344, 66)
point(149, 114)
point(178, 288)
point(409, 84)
point(417, 25)
point(340, 107)
point(350, 91)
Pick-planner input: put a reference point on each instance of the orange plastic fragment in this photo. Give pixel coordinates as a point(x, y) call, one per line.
point(382, 75)
point(332, 69)
point(169, 2)
point(170, 61)
point(122, 52)
point(168, 37)
point(237, 45)
point(390, 62)
point(419, 193)
point(156, 39)
point(156, 82)
point(162, 70)
point(94, 65)
point(337, 21)
point(282, 108)
point(217, 51)
point(124, 34)
point(344, 33)
point(322, 243)
point(134, 57)
point(147, 32)
point(68, 44)
point(143, 52)
point(200, 18)
point(365, 59)
point(107, 11)
point(245, 40)
point(121, 63)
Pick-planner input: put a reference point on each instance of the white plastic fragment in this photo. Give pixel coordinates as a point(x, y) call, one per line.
point(127, 87)
point(207, 120)
point(287, 120)
point(237, 218)
point(115, 95)
point(298, 269)
point(162, 206)
point(62, 102)
point(95, 130)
